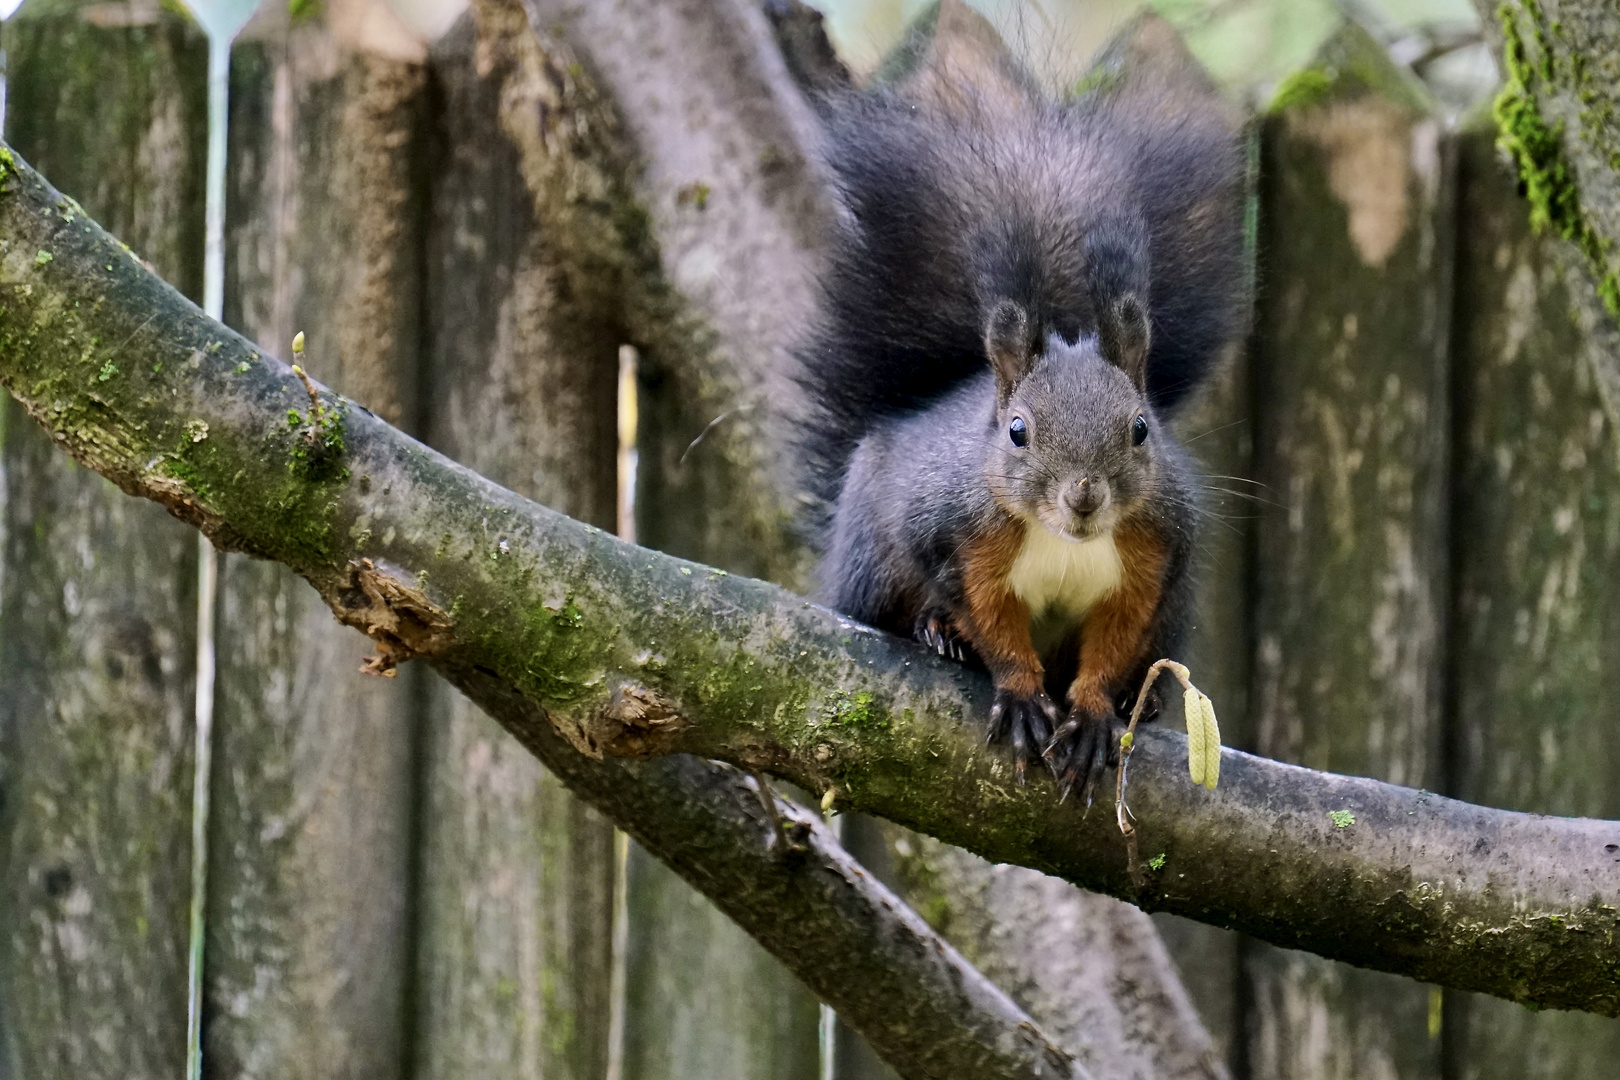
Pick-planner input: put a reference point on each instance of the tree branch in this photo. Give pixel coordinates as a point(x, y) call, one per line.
point(630, 652)
point(176, 398)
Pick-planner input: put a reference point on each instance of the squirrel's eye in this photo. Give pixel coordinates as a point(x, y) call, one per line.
point(1139, 431)
point(1018, 432)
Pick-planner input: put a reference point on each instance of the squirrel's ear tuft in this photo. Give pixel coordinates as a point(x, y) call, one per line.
point(1117, 264)
point(1124, 334)
point(1007, 343)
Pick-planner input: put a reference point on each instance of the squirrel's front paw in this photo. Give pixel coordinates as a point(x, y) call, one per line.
point(935, 630)
point(1025, 720)
point(1082, 748)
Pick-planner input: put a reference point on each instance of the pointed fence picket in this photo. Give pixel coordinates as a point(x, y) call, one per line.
point(97, 612)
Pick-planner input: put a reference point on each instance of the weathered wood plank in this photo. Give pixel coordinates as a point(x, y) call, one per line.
point(515, 925)
point(307, 958)
point(1537, 552)
point(98, 605)
point(1218, 426)
point(703, 998)
point(1219, 429)
point(1351, 439)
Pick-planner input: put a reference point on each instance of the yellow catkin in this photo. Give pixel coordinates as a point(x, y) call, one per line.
point(1196, 732)
point(1201, 715)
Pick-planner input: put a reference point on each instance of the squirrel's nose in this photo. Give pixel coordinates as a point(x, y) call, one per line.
point(1085, 496)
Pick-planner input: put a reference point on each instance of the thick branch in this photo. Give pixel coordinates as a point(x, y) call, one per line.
point(183, 410)
point(631, 652)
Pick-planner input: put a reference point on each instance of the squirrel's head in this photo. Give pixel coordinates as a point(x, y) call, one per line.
point(1073, 445)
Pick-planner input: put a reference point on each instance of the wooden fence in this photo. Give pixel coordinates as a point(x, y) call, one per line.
point(396, 889)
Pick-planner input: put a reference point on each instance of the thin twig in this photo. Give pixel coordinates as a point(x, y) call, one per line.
point(309, 386)
point(767, 798)
point(1127, 741)
point(710, 426)
point(745, 407)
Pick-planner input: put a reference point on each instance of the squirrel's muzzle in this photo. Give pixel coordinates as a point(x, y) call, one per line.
point(1085, 496)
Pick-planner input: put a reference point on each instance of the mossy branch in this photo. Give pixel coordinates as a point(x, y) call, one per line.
point(265, 460)
point(568, 636)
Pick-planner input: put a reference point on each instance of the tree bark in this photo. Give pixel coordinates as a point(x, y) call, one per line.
point(1556, 112)
point(629, 652)
point(716, 146)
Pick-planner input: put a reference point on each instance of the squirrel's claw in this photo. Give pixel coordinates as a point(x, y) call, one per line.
point(934, 630)
point(1081, 750)
point(1024, 721)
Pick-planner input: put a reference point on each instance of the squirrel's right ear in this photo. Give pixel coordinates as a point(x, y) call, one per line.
point(1007, 343)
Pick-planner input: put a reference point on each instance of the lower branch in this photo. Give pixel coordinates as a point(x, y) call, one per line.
point(1091, 969)
point(633, 653)
point(856, 945)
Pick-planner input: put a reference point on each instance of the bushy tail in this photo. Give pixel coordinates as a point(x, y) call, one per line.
point(956, 195)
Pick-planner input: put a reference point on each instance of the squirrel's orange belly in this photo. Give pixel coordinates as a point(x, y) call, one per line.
point(1060, 579)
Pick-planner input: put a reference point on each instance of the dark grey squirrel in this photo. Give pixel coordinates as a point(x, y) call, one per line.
point(1019, 294)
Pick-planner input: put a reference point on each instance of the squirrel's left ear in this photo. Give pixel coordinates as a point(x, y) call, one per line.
point(1007, 343)
point(1123, 333)
point(1117, 264)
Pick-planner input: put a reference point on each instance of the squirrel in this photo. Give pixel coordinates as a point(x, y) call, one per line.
point(1018, 295)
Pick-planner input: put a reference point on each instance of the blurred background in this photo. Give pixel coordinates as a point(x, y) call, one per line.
point(1249, 46)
